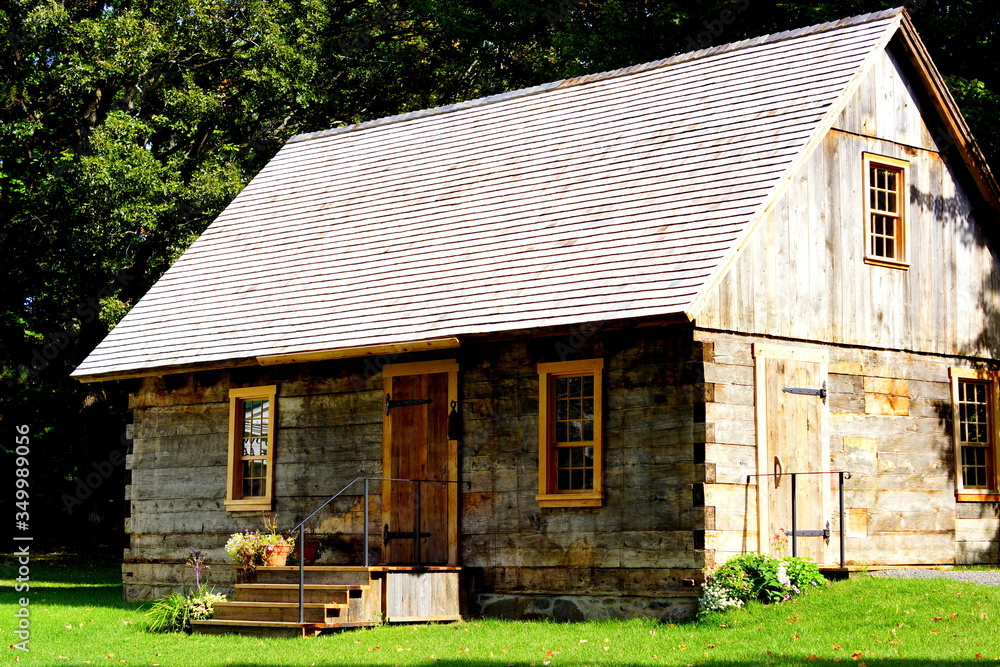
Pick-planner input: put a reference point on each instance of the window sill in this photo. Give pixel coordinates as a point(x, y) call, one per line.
point(251, 505)
point(977, 497)
point(570, 500)
point(888, 263)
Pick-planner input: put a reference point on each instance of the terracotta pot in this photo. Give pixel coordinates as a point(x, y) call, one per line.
point(275, 556)
point(311, 551)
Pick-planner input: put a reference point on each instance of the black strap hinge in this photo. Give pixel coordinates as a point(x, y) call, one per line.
point(807, 391)
point(390, 404)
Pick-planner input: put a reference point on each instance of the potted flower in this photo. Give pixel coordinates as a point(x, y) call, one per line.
point(316, 544)
point(251, 549)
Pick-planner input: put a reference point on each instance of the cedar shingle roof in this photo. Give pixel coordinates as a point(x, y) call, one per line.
point(608, 196)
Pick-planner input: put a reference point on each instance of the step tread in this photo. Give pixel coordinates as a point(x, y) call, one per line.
point(280, 624)
point(359, 568)
point(308, 587)
point(277, 605)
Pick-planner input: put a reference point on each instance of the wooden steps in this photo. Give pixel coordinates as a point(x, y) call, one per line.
point(269, 628)
point(329, 593)
point(335, 598)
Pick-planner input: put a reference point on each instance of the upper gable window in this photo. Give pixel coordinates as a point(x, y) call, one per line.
point(570, 447)
point(250, 478)
point(885, 211)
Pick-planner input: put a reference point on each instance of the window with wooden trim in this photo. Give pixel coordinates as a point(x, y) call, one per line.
point(885, 211)
point(974, 401)
point(250, 478)
point(570, 434)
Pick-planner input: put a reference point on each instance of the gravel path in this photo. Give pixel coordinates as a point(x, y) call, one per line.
point(984, 577)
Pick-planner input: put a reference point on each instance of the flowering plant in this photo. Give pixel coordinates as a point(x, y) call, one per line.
point(757, 577)
point(250, 548)
point(175, 611)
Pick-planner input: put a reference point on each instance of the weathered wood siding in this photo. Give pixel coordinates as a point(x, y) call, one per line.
point(802, 275)
point(890, 426)
point(329, 431)
point(640, 547)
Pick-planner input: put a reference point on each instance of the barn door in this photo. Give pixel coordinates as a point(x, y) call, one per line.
point(790, 395)
point(416, 446)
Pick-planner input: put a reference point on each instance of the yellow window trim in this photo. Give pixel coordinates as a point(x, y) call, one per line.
point(902, 237)
point(548, 495)
point(992, 378)
point(234, 500)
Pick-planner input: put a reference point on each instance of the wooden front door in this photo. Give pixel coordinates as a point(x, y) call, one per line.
point(416, 446)
point(791, 437)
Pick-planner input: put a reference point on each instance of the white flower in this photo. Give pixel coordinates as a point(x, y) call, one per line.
point(783, 575)
point(716, 597)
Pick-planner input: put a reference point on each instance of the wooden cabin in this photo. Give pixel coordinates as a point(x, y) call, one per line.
point(589, 330)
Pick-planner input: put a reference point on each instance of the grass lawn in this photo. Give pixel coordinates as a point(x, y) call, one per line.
point(78, 618)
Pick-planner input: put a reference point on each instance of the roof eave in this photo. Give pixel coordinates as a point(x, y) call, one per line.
point(959, 133)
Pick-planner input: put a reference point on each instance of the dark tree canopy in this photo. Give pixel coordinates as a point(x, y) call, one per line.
point(127, 125)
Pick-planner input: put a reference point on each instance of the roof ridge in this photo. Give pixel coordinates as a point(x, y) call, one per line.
point(610, 74)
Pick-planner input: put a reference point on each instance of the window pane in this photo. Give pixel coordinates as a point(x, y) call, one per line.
point(878, 224)
point(575, 431)
point(878, 246)
point(562, 387)
point(563, 455)
point(562, 431)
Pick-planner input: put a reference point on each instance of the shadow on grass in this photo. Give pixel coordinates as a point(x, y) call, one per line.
point(68, 579)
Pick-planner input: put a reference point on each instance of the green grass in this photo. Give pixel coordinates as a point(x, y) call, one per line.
point(78, 618)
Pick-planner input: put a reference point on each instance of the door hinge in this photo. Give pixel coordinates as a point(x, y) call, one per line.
point(390, 404)
point(807, 391)
point(389, 535)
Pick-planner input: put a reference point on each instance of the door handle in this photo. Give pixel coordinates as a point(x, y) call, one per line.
point(778, 470)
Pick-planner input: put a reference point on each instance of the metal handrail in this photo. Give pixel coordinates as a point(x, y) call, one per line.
point(841, 476)
point(300, 526)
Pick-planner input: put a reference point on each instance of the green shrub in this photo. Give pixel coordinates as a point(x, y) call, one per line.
point(174, 612)
point(757, 577)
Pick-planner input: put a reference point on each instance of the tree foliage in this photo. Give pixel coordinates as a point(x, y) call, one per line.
point(127, 125)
